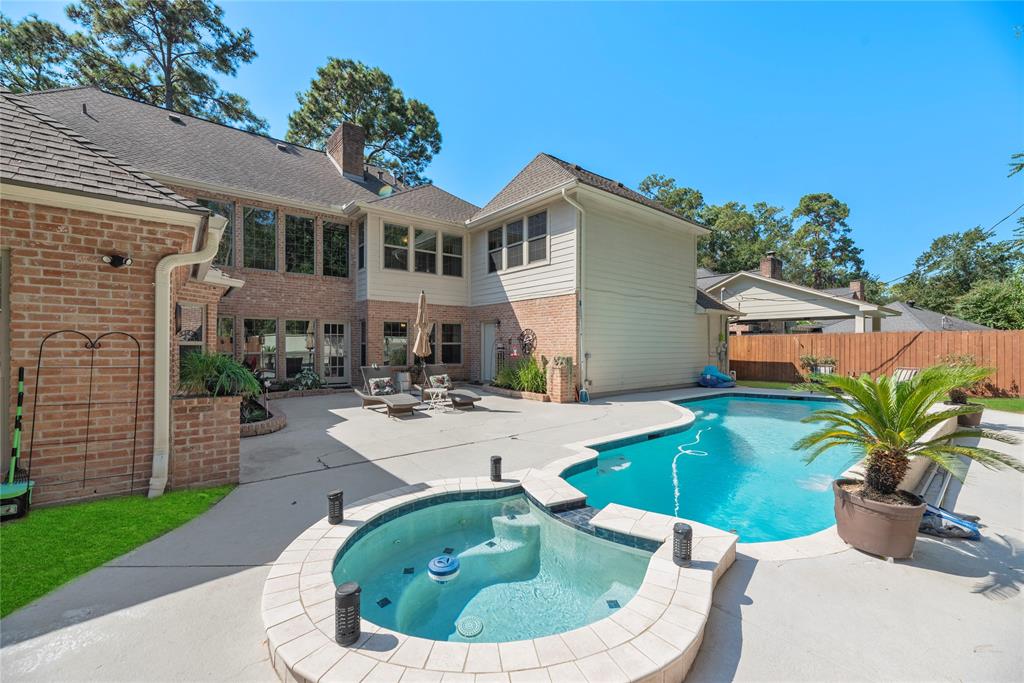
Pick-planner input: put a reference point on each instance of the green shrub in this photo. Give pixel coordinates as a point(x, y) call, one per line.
point(215, 374)
point(525, 374)
point(307, 379)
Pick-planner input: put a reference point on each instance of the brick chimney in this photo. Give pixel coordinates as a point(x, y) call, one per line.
point(345, 146)
point(771, 266)
point(857, 287)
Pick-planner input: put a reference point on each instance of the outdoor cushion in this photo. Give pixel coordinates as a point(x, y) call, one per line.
point(440, 381)
point(382, 386)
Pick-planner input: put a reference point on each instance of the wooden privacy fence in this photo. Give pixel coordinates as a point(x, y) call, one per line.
point(776, 357)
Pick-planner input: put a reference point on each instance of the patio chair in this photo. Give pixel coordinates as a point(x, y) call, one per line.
point(460, 398)
point(396, 404)
point(903, 374)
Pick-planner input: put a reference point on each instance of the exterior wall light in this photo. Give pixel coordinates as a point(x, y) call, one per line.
point(117, 260)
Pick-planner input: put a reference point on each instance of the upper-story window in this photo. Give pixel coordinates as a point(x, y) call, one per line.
point(514, 244)
point(226, 251)
point(425, 257)
point(259, 229)
point(396, 247)
point(494, 255)
point(335, 249)
point(537, 236)
point(451, 256)
point(362, 246)
point(299, 245)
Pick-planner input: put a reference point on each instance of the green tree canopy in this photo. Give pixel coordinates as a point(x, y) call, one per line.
point(686, 201)
point(34, 55)
point(822, 252)
point(998, 304)
point(402, 134)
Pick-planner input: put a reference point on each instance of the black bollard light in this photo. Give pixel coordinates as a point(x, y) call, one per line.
point(347, 613)
point(335, 507)
point(682, 544)
point(495, 468)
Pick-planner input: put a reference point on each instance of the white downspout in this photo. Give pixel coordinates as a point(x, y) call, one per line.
point(581, 270)
point(162, 352)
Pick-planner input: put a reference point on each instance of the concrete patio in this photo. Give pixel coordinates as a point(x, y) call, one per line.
point(186, 606)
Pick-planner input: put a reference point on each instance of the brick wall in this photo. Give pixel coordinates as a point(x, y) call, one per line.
point(379, 312)
point(59, 282)
point(204, 447)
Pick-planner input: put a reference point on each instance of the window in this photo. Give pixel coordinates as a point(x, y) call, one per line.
point(226, 251)
point(261, 345)
point(259, 230)
point(425, 255)
point(362, 247)
point(514, 244)
point(396, 343)
point(494, 250)
point(335, 249)
point(362, 342)
point(299, 245)
point(451, 344)
point(332, 353)
point(537, 236)
point(190, 325)
point(451, 257)
point(299, 342)
point(396, 247)
point(226, 336)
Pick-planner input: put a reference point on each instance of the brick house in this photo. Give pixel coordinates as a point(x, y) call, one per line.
point(333, 253)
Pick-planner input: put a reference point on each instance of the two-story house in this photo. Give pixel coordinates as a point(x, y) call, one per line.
point(334, 253)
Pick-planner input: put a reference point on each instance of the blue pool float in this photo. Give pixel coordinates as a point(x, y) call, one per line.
point(714, 378)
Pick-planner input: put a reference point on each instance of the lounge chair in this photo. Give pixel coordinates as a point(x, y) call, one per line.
point(904, 374)
point(396, 404)
point(460, 398)
point(713, 378)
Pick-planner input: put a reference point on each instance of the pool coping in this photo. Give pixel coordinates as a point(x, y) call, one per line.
point(653, 637)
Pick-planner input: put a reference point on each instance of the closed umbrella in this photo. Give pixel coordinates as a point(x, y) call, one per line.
point(422, 346)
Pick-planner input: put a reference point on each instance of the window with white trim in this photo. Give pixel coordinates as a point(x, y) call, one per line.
point(537, 236)
point(451, 343)
point(514, 244)
point(396, 247)
point(190, 326)
point(261, 345)
point(451, 256)
point(362, 244)
point(494, 249)
point(425, 251)
point(396, 343)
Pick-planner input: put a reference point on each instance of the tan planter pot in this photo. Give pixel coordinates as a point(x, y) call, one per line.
point(972, 420)
point(874, 527)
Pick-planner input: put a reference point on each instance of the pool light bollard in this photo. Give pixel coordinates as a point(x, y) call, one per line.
point(682, 544)
point(347, 616)
point(335, 507)
point(495, 468)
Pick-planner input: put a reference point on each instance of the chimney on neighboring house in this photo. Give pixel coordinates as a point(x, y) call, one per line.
point(771, 266)
point(345, 147)
point(857, 288)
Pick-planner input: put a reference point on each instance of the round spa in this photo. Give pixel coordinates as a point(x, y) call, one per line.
point(491, 570)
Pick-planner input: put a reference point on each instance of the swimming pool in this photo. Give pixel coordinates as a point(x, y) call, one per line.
point(734, 468)
point(522, 573)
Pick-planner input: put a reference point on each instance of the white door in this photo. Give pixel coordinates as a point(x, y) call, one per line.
point(334, 354)
point(488, 335)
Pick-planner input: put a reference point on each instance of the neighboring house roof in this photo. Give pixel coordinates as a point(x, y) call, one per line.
point(706, 301)
point(428, 201)
point(709, 278)
point(911, 319)
point(36, 150)
point(547, 172)
point(191, 148)
point(797, 289)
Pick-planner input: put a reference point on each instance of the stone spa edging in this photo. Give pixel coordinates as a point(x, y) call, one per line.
point(653, 638)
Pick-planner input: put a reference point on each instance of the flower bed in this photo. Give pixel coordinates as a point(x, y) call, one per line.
point(511, 393)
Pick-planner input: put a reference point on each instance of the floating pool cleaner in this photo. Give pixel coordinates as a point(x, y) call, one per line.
point(16, 488)
point(713, 378)
point(443, 568)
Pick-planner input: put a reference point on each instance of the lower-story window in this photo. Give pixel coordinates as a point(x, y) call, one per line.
point(396, 343)
point(189, 327)
point(261, 345)
point(299, 343)
point(451, 343)
point(226, 336)
point(362, 343)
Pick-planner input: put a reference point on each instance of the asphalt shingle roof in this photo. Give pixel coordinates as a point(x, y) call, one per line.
point(195, 149)
point(705, 300)
point(429, 201)
point(40, 151)
point(546, 172)
point(911, 319)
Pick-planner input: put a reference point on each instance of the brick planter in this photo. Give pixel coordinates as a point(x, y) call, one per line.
point(510, 393)
point(276, 422)
point(204, 447)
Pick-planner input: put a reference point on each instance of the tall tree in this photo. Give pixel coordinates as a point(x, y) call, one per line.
point(1016, 164)
point(998, 304)
point(825, 254)
point(166, 52)
point(686, 201)
point(34, 54)
point(402, 134)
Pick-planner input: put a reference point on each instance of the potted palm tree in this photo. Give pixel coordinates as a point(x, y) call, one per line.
point(890, 423)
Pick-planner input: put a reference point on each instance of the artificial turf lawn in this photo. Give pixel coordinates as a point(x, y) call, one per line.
point(1010, 405)
point(50, 546)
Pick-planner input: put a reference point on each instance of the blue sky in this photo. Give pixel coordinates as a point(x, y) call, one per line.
point(908, 113)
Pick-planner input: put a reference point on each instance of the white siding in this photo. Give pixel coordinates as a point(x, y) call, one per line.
point(641, 325)
point(554, 278)
point(395, 285)
point(769, 301)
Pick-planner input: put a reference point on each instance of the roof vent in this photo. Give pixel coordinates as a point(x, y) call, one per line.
point(911, 302)
point(578, 167)
point(283, 147)
point(176, 119)
point(620, 185)
point(85, 109)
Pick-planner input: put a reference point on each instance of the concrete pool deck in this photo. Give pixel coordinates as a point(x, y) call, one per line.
point(187, 606)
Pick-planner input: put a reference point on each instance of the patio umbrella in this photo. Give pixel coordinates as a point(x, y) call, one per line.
point(422, 346)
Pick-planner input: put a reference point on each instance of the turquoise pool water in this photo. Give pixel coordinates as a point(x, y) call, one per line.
point(734, 468)
point(523, 574)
